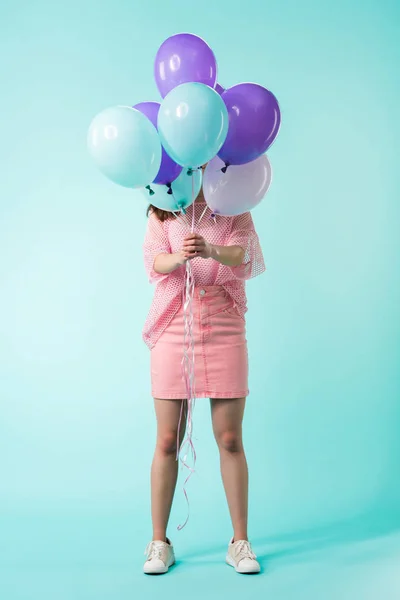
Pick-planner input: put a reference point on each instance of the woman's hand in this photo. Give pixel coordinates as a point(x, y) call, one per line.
point(181, 258)
point(194, 246)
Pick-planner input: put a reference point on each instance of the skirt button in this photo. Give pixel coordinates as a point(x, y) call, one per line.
point(202, 292)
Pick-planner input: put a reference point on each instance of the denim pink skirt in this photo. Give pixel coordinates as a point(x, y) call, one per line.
point(221, 359)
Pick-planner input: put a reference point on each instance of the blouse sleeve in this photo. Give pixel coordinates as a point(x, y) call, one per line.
point(244, 234)
point(155, 242)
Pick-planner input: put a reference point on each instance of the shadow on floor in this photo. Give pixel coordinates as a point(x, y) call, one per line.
point(297, 543)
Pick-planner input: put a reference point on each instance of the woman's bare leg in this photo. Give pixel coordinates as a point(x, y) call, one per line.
point(164, 468)
point(227, 417)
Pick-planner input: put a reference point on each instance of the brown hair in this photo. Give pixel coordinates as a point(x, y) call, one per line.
point(162, 215)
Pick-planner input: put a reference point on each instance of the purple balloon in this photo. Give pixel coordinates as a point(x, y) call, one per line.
point(184, 58)
point(169, 169)
point(219, 89)
point(254, 121)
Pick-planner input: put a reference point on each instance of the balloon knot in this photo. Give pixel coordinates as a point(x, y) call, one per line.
point(224, 169)
point(213, 215)
point(191, 170)
point(169, 188)
point(151, 192)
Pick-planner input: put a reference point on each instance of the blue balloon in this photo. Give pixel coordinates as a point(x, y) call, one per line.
point(125, 146)
point(192, 124)
point(179, 195)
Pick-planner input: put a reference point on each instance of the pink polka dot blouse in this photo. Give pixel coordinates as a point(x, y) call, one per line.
point(168, 236)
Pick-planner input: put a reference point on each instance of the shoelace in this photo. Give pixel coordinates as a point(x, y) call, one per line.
point(154, 550)
point(243, 550)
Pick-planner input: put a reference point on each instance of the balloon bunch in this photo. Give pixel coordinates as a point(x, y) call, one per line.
point(160, 147)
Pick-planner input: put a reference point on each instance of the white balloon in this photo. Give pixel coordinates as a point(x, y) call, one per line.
point(239, 189)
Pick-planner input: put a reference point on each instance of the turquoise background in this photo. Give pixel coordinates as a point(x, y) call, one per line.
point(77, 427)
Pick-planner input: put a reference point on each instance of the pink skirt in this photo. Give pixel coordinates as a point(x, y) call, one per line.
point(221, 359)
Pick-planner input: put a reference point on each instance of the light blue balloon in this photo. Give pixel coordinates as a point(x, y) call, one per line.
point(185, 190)
point(192, 124)
point(125, 146)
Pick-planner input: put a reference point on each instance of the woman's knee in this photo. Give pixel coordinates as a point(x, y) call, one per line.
point(167, 442)
point(230, 441)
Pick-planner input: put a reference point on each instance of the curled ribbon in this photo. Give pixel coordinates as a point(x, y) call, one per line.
point(188, 375)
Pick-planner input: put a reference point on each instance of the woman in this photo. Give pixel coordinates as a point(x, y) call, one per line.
point(224, 252)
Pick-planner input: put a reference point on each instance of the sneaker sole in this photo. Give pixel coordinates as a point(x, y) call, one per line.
point(230, 562)
point(147, 572)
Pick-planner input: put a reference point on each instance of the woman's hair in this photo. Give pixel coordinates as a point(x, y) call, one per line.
point(162, 215)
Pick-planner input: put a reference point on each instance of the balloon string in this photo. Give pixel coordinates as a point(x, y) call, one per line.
point(189, 378)
point(193, 199)
point(188, 374)
point(202, 215)
point(180, 219)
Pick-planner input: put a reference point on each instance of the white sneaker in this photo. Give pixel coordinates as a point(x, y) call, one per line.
point(241, 557)
point(160, 556)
